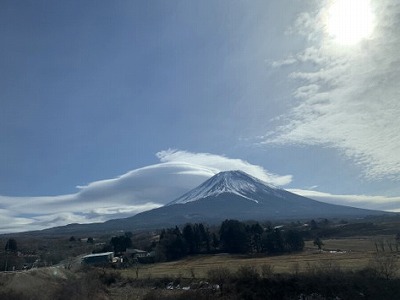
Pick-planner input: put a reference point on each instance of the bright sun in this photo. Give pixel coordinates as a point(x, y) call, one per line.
point(350, 21)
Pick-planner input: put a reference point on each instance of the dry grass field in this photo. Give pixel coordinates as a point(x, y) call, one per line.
point(348, 254)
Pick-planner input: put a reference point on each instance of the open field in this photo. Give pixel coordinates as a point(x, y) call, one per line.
point(348, 254)
point(304, 270)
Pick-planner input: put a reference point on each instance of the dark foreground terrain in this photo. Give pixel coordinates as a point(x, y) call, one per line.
point(355, 260)
point(246, 282)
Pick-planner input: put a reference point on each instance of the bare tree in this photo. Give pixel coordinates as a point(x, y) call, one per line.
point(385, 265)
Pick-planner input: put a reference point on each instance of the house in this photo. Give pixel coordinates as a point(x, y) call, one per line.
point(140, 256)
point(135, 253)
point(98, 258)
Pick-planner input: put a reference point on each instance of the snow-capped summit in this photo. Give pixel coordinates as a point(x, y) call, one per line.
point(229, 182)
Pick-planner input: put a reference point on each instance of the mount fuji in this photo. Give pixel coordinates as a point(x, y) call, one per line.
point(237, 195)
point(227, 195)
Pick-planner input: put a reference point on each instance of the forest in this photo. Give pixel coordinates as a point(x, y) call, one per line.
point(232, 237)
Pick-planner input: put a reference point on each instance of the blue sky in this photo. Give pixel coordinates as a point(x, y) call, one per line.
point(111, 108)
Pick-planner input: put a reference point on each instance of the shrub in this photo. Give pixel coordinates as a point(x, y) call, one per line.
point(247, 273)
point(267, 271)
point(109, 278)
point(219, 275)
point(86, 285)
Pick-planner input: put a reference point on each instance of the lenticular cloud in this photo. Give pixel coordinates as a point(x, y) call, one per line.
point(217, 163)
point(126, 195)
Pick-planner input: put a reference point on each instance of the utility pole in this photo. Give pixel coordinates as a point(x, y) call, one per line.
point(5, 269)
point(7, 250)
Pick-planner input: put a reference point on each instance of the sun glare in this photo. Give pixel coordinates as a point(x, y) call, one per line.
point(350, 21)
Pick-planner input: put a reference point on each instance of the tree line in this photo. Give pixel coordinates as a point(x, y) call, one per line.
point(232, 236)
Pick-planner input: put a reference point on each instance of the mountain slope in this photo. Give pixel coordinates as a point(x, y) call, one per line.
point(237, 195)
point(227, 195)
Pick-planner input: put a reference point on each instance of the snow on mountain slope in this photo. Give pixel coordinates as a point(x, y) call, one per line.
point(233, 182)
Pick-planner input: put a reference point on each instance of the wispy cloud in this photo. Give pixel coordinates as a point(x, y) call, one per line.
point(348, 96)
point(360, 201)
point(133, 192)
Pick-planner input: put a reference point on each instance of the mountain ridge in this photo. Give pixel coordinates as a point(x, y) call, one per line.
point(228, 195)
